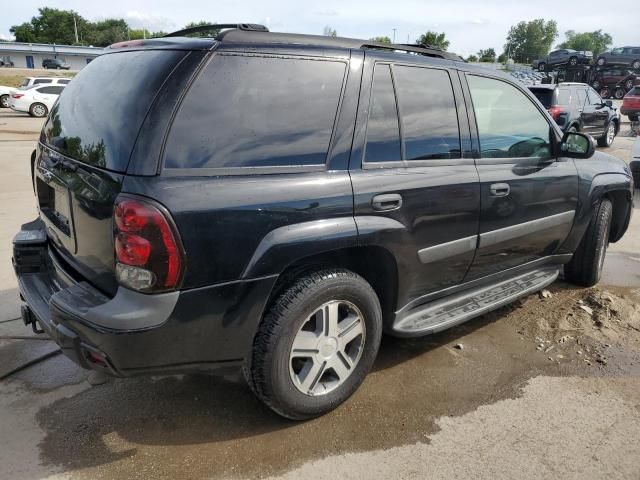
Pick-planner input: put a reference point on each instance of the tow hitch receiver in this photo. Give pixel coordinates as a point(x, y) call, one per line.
point(30, 319)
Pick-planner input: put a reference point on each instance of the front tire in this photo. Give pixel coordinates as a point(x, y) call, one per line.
point(619, 93)
point(609, 134)
point(601, 61)
point(315, 344)
point(541, 66)
point(585, 268)
point(636, 65)
point(4, 101)
point(38, 110)
point(573, 61)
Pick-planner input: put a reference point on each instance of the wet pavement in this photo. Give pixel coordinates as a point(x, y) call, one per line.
point(539, 389)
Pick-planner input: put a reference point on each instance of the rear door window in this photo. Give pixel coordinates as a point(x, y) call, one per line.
point(39, 81)
point(383, 130)
point(53, 90)
point(563, 96)
point(250, 111)
point(428, 116)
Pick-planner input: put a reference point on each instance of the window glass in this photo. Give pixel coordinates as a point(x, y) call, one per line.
point(636, 51)
point(564, 96)
point(427, 113)
point(38, 81)
point(64, 82)
point(53, 90)
point(245, 111)
point(545, 95)
point(594, 98)
point(509, 124)
point(582, 95)
point(383, 133)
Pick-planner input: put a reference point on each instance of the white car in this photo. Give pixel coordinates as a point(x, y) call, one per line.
point(5, 93)
point(36, 101)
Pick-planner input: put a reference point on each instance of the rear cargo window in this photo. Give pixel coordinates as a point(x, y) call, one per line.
point(246, 111)
point(545, 95)
point(99, 114)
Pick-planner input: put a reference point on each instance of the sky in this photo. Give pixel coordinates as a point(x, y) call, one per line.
point(469, 25)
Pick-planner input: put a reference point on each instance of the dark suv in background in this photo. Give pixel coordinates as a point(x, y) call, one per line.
point(563, 56)
point(55, 63)
point(275, 202)
point(576, 107)
point(621, 56)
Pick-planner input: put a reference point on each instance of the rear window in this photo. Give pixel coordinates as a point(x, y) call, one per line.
point(246, 111)
point(99, 114)
point(544, 95)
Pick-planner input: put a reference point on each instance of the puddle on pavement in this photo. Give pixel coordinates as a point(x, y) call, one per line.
point(203, 426)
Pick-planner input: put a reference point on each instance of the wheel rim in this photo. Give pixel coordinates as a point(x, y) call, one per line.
point(619, 94)
point(611, 133)
point(596, 85)
point(636, 65)
point(4, 101)
point(39, 110)
point(541, 67)
point(327, 348)
point(629, 84)
point(573, 62)
point(601, 61)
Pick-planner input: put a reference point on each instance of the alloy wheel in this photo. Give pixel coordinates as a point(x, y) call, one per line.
point(611, 133)
point(39, 110)
point(327, 348)
point(4, 101)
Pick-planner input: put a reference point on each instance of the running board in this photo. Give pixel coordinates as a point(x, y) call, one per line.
point(460, 307)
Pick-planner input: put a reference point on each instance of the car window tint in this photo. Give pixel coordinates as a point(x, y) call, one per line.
point(383, 132)
point(38, 81)
point(64, 82)
point(582, 95)
point(245, 111)
point(50, 90)
point(544, 95)
point(427, 113)
point(509, 124)
point(564, 96)
point(636, 51)
point(594, 98)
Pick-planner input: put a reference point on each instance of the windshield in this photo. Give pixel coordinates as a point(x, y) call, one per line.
point(98, 116)
point(25, 82)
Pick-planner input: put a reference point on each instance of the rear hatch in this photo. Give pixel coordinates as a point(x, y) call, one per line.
point(84, 152)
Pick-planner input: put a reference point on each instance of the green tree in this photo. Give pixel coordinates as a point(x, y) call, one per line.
point(381, 40)
point(433, 39)
point(488, 55)
point(51, 26)
point(106, 32)
point(140, 33)
point(329, 32)
point(530, 40)
point(209, 33)
point(502, 58)
point(472, 58)
point(596, 42)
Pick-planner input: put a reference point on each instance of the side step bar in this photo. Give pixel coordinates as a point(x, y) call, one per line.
point(460, 307)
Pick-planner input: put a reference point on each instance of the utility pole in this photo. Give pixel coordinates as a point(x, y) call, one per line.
point(75, 28)
point(394, 34)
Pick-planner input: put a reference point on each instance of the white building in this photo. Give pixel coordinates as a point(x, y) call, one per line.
point(30, 55)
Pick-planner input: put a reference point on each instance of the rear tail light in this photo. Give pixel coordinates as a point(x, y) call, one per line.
point(556, 112)
point(149, 256)
point(17, 95)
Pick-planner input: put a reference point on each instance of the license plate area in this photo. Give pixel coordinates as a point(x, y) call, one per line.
point(53, 200)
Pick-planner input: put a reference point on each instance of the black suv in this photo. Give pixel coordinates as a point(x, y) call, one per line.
point(576, 107)
point(275, 202)
point(55, 63)
point(564, 56)
point(621, 56)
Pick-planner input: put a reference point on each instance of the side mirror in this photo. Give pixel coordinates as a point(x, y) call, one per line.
point(577, 145)
point(608, 103)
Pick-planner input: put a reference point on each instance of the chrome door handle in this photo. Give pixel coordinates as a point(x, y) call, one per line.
point(386, 202)
point(500, 189)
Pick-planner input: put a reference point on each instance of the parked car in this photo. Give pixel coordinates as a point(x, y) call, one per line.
point(421, 192)
point(28, 82)
point(5, 93)
point(631, 104)
point(576, 107)
point(36, 101)
point(612, 77)
point(55, 63)
point(563, 56)
point(6, 63)
point(621, 56)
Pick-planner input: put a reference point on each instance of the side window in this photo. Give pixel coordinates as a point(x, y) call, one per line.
point(509, 124)
point(249, 111)
point(383, 132)
point(427, 113)
point(50, 90)
point(39, 81)
point(64, 81)
point(582, 96)
point(594, 98)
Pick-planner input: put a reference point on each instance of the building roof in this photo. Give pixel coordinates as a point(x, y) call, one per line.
point(22, 47)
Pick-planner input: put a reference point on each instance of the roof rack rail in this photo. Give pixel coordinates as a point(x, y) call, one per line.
point(250, 27)
point(419, 49)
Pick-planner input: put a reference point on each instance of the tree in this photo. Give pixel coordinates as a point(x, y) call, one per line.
point(530, 40)
point(51, 26)
point(381, 40)
point(488, 55)
point(106, 32)
point(472, 58)
point(140, 33)
point(596, 42)
point(502, 58)
point(202, 23)
point(433, 39)
point(329, 32)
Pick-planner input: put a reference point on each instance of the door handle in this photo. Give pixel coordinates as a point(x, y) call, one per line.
point(386, 202)
point(500, 189)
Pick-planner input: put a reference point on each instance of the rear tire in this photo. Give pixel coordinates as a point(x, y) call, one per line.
point(38, 110)
point(541, 66)
point(619, 93)
point(636, 65)
point(573, 61)
point(4, 101)
point(585, 268)
point(277, 372)
point(601, 61)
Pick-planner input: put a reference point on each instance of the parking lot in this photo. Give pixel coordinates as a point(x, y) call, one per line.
point(543, 388)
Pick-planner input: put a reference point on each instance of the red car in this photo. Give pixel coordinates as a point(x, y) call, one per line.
point(631, 104)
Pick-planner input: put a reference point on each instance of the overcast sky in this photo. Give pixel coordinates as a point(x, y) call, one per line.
point(469, 25)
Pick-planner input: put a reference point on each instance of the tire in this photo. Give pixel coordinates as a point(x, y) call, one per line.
point(273, 370)
point(596, 85)
point(541, 66)
point(601, 61)
point(605, 92)
point(38, 110)
point(629, 84)
point(573, 61)
point(585, 268)
point(4, 101)
point(635, 171)
point(633, 118)
point(636, 65)
point(609, 135)
point(619, 93)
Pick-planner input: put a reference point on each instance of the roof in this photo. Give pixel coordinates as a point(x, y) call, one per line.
point(49, 48)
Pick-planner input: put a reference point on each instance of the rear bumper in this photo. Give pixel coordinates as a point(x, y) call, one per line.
point(630, 110)
point(201, 329)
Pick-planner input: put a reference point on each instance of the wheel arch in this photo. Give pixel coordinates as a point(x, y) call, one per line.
point(621, 202)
